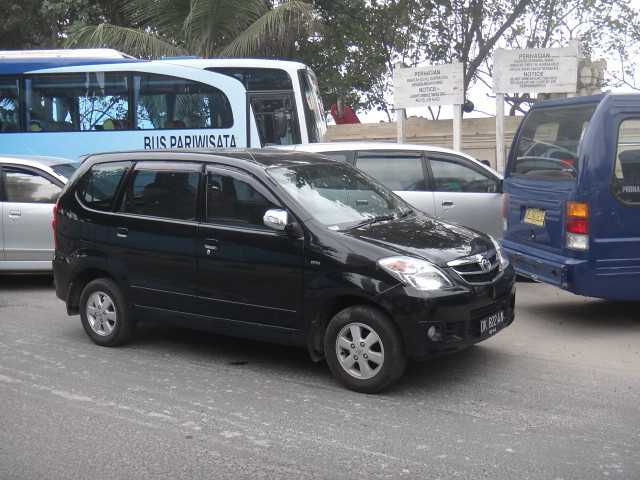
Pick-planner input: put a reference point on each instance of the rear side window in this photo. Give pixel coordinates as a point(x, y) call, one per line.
point(162, 193)
point(549, 141)
point(449, 176)
point(397, 171)
point(99, 185)
point(24, 186)
point(232, 201)
point(626, 175)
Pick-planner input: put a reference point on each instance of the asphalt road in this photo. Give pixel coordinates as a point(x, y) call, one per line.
point(555, 396)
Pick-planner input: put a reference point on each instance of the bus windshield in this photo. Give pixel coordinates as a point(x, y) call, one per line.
point(548, 144)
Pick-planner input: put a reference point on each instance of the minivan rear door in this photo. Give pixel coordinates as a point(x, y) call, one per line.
point(542, 175)
point(153, 235)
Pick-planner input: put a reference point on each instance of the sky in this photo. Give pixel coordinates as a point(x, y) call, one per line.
point(483, 97)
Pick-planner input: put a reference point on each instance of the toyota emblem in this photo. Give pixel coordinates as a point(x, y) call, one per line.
point(485, 264)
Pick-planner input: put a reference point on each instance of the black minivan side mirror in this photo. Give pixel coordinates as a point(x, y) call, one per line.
point(276, 219)
point(279, 219)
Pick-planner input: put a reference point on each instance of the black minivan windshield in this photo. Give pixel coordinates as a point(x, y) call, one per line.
point(548, 145)
point(339, 196)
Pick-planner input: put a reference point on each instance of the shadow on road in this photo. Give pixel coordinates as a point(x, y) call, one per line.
point(591, 313)
point(25, 282)
point(211, 347)
point(435, 375)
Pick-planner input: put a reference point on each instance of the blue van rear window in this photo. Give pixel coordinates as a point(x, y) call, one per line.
point(549, 141)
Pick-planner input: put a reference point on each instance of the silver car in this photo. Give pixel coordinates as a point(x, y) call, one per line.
point(441, 182)
point(29, 189)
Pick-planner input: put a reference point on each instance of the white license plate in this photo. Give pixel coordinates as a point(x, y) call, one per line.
point(491, 324)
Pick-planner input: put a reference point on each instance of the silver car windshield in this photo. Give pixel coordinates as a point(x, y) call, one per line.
point(338, 195)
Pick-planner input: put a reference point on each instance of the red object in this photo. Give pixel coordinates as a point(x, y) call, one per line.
point(578, 225)
point(347, 116)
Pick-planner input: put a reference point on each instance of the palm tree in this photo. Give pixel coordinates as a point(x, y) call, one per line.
point(207, 28)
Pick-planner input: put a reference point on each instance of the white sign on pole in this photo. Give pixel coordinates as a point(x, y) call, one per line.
point(428, 86)
point(540, 70)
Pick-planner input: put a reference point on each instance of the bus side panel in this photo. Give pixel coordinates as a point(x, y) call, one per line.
point(73, 145)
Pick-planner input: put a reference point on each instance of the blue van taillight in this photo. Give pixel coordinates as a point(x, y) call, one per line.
point(577, 226)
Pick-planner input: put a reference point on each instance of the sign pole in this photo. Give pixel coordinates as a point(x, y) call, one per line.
point(401, 115)
point(500, 132)
point(401, 121)
point(457, 128)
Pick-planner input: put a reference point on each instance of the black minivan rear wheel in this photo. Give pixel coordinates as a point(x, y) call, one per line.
point(363, 349)
point(104, 313)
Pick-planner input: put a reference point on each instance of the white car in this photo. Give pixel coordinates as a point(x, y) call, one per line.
point(29, 188)
point(444, 183)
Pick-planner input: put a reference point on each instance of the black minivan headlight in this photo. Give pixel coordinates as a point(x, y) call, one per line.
point(502, 259)
point(417, 273)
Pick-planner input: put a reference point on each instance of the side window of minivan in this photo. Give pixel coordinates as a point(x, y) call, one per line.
point(233, 201)
point(162, 193)
point(453, 176)
point(626, 174)
point(399, 171)
point(99, 185)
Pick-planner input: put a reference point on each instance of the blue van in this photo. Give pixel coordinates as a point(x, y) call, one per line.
point(572, 203)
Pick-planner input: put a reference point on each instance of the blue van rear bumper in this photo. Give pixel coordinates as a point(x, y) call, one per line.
point(563, 272)
point(579, 276)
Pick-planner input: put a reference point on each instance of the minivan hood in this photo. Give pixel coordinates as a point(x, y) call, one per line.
point(423, 237)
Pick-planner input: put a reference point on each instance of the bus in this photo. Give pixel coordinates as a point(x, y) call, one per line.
point(71, 103)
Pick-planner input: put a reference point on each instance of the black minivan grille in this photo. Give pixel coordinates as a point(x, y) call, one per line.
point(477, 269)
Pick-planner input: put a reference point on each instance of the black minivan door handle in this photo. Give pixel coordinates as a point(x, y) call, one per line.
point(211, 246)
point(122, 232)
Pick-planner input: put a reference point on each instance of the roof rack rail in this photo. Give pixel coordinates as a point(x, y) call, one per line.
point(64, 53)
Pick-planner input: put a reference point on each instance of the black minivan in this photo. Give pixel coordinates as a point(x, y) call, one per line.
point(280, 246)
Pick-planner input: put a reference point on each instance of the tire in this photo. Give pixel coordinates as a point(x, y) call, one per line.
point(104, 313)
point(365, 364)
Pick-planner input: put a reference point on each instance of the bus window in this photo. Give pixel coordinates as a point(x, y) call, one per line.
point(77, 102)
point(164, 102)
point(275, 118)
point(626, 174)
point(9, 105)
point(258, 79)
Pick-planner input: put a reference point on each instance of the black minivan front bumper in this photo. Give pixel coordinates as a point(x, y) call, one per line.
point(456, 315)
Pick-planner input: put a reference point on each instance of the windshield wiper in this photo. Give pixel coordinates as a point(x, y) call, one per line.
point(405, 213)
point(372, 220)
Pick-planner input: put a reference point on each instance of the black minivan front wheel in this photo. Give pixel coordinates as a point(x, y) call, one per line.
point(363, 349)
point(104, 313)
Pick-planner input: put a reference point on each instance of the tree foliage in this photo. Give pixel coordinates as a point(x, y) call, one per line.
point(206, 28)
point(32, 24)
